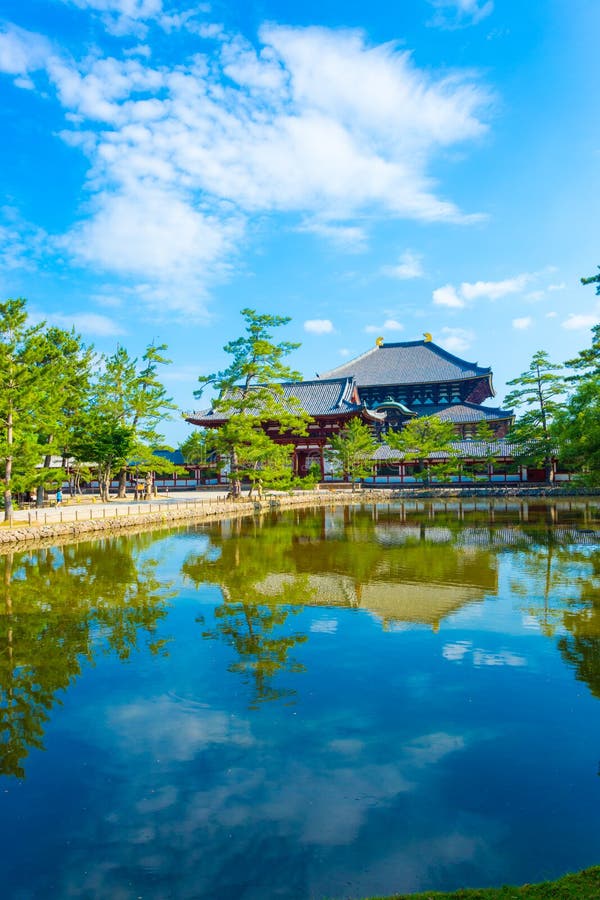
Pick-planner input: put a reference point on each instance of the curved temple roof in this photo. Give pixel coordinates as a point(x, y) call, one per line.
point(409, 362)
point(321, 397)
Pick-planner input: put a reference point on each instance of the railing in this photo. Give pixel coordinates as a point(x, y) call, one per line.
point(113, 510)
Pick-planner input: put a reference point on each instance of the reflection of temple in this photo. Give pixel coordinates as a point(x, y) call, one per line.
point(394, 602)
point(410, 573)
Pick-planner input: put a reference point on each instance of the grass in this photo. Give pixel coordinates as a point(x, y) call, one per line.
point(580, 886)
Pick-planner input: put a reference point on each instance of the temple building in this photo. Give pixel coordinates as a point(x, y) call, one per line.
point(418, 378)
point(330, 402)
point(387, 386)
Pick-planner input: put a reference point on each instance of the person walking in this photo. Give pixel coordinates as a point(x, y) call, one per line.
point(58, 497)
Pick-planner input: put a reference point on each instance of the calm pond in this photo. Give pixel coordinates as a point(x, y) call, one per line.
point(328, 703)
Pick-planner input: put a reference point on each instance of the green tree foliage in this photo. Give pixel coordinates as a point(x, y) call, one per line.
point(64, 357)
point(198, 446)
point(250, 395)
point(427, 441)
point(539, 392)
point(350, 451)
point(24, 389)
point(126, 405)
point(101, 440)
point(577, 426)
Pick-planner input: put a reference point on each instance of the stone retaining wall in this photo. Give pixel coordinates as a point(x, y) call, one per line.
point(58, 532)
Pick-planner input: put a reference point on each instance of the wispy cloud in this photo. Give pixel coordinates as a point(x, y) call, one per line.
point(352, 238)
point(468, 292)
point(580, 321)
point(456, 340)
point(448, 296)
point(89, 324)
point(388, 325)
point(409, 266)
point(523, 323)
point(460, 13)
point(319, 326)
point(311, 122)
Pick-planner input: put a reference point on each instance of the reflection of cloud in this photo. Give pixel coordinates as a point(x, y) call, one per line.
point(330, 808)
point(175, 730)
point(324, 626)
point(430, 748)
point(502, 658)
point(349, 746)
point(457, 651)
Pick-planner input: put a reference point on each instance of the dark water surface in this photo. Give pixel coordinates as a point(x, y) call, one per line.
point(330, 703)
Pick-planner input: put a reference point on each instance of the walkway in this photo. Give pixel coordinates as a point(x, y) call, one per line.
point(84, 507)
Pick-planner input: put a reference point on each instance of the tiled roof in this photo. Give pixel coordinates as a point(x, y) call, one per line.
point(465, 449)
point(466, 412)
point(320, 397)
point(411, 362)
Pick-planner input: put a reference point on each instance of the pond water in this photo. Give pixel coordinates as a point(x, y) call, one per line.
point(329, 703)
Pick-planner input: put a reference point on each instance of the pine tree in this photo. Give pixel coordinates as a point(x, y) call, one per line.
point(24, 389)
point(429, 442)
point(351, 451)
point(250, 394)
point(539, 391)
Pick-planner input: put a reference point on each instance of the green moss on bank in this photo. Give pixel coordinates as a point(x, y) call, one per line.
point(580, 886)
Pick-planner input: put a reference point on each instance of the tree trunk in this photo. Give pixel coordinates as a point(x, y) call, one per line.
point(122, 483)
point(8, 507)
point(236, 484)
point(40, 491)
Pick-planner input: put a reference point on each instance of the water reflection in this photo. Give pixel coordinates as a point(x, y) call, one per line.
point(405, 707)
point(59, 609)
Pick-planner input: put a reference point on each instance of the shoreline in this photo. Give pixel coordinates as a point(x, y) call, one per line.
point(171, 512)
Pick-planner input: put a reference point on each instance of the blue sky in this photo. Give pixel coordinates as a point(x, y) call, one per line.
point(367, 169)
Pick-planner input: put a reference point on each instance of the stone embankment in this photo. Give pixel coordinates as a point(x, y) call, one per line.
point(168, 514)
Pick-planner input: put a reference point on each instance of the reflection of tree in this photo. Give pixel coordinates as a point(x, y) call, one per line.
point(248, 620)
point(581, 647)
point(58, 609)
point(316, 556)
point(566, 579)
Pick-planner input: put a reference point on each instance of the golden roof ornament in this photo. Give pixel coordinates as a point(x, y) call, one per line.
point(379, 342)
point(427, 337)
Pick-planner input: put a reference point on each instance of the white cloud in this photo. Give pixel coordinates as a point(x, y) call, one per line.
point(121, 17)
point(388, 325)
point(551, 315)
point(494, 290)
point(468, 292)
point(319, 326)
point(351, 238)
point(459, 13)
point(392, 325)
point(456, 340)
point(580, 321)
point(447, 296)
point(92, 324)
point(523, 323)
point(409, 266)
point(557, 287)
point(313, 122)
